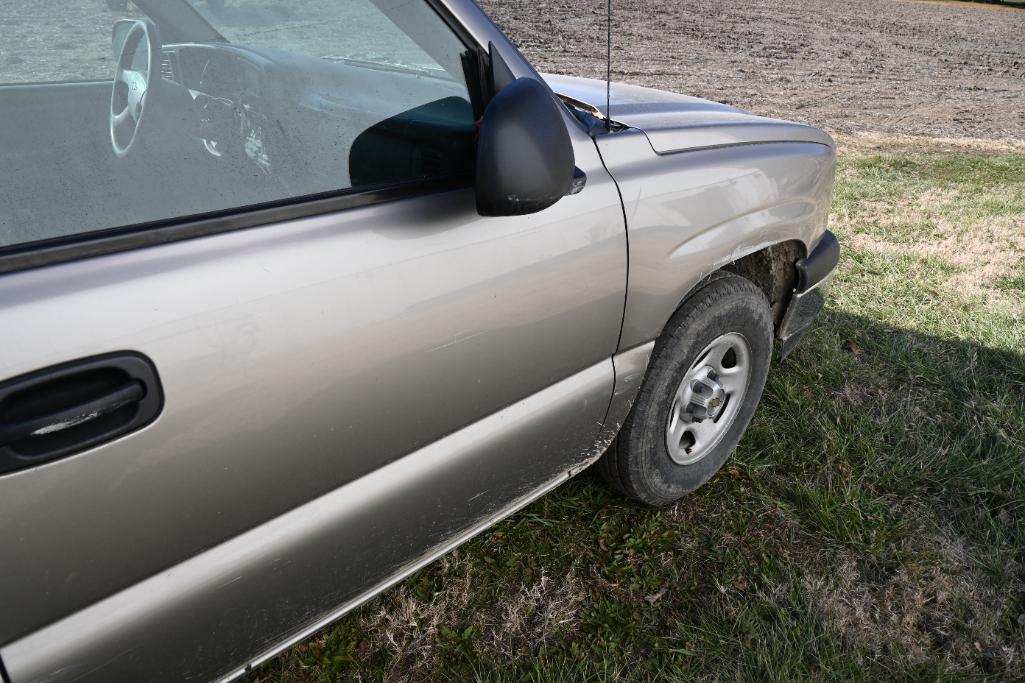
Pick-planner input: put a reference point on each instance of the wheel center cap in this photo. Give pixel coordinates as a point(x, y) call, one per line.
point(707, 395)
point(708, 399)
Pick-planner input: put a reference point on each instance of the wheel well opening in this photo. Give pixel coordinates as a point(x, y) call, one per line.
point(772, 270)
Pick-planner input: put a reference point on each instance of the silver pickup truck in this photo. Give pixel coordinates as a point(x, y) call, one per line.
point(297, 297)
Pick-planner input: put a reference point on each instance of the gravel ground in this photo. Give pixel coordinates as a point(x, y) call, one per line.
point(888, 66)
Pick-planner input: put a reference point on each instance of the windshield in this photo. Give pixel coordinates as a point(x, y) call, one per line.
point(358, 31)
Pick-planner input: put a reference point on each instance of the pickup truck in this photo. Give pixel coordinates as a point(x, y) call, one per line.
point(297, 297)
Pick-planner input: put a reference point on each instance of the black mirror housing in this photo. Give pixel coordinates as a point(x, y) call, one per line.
point(525, 159)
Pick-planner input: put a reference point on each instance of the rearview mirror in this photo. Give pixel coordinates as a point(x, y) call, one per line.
point(525, 158)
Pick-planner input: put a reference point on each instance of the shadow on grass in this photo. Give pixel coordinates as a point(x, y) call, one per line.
point(917, 415)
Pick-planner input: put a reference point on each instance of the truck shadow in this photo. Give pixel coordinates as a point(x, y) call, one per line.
point(845, 348)
point(892, 412)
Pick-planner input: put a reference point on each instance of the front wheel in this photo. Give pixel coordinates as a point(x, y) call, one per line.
point(704, 381)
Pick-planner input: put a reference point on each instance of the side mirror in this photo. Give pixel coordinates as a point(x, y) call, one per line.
point(525, 157)
point(119, 34)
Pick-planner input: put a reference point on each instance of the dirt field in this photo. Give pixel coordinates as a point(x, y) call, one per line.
point(938, 69)
point(892, 66)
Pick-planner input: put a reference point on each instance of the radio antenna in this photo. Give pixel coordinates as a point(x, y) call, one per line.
point(608, 73)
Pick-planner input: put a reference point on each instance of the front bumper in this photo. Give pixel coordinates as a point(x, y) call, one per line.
point(814, 277)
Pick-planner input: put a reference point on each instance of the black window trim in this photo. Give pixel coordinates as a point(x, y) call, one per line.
point(95, 243)
point(102, 242)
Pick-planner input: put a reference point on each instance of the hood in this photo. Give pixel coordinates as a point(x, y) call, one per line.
point(674, 123)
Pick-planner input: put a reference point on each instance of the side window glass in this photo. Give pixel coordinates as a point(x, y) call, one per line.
point(219, 105)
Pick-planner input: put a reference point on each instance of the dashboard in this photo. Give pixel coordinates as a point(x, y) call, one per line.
point(228, 100)
point(279, 124)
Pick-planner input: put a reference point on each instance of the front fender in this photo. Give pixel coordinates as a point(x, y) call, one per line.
point(691, 213)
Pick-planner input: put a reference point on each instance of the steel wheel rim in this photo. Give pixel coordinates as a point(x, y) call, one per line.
point(708, 399)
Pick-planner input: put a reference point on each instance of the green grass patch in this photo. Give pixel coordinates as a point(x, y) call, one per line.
point(870, 526)
point(1015, 280)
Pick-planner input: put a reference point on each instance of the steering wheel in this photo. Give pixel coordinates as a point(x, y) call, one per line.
point(137, 73)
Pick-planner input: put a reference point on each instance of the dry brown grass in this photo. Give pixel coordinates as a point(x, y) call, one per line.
point(526, 617)
point(909, 612)
point(976, 230)
point(864, 143)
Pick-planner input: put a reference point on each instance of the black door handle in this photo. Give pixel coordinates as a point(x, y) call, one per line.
point(65, 409)
point(72, 417)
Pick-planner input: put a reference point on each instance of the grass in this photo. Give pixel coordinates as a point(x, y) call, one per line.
point(871, 524)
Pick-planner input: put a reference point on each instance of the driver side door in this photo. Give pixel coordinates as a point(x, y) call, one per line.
point(343, 382)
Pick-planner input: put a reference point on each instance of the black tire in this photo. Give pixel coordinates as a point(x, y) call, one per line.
point(639, 464)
